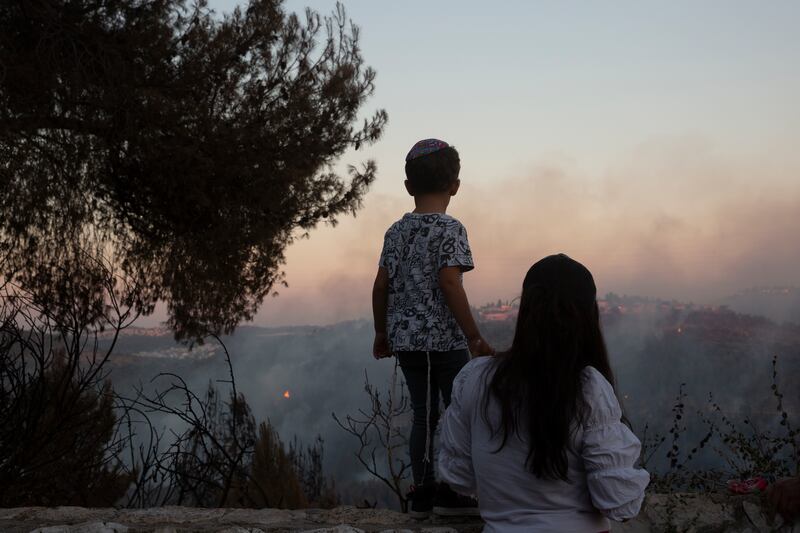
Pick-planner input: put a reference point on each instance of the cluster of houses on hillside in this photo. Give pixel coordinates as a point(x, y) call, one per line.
point(612, 304)
point(717, 324)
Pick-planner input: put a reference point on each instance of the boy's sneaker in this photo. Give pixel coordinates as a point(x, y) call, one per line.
point(447, 502)
point(421, 500)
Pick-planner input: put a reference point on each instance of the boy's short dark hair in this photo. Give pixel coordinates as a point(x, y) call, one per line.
point(433, 172)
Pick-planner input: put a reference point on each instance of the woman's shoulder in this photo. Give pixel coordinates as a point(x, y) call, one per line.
point(591, 377)
point(600, 400)
point(473, 371)
point(475, 367)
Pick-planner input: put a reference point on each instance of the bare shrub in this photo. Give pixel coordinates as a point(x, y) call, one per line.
point(382, 443)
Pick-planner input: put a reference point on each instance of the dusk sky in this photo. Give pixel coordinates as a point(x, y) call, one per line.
point(657, 143)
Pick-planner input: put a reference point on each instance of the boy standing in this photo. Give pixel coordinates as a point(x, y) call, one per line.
point(421, 311)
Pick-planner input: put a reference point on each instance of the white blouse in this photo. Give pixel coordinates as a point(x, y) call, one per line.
point(603, 480)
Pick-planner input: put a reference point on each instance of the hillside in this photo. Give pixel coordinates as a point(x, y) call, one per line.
point(655, 347)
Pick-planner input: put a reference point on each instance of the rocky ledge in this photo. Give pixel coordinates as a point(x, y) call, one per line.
point(661, 513)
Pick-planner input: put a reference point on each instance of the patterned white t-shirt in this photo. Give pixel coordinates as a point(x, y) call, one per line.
point(415, 248)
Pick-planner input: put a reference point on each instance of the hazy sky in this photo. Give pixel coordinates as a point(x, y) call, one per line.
point(657, 142)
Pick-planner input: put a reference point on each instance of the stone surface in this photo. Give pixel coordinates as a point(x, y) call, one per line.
point(337, 529)
point(756, 516)
point(187, 519)
point(689, 512)
point(699, 513)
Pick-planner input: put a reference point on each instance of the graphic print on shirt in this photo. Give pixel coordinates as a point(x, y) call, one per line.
point(415, 248)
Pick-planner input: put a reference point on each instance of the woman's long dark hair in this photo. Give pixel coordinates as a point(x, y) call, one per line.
point(537, 383)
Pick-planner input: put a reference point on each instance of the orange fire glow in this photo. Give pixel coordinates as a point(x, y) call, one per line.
point(287, 395)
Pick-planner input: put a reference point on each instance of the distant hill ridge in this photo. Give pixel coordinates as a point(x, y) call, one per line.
point(779, 304)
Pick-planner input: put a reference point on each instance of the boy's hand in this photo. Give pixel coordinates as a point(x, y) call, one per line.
point(478, 347)
point(380, 348)
point(380, 301)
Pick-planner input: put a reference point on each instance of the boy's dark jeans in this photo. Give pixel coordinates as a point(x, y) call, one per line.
point(443, 368)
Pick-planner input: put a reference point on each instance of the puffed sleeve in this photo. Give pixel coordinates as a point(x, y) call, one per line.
point(454, 464)
point(610, 451)
point(454, 247)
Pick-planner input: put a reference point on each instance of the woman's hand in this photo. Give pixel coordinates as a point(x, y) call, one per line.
point(784, 497)
point(380, 347)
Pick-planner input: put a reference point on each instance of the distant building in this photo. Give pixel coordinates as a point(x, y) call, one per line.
point(498, 312)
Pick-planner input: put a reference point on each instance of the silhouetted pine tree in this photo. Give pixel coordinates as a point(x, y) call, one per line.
point(273, 478)
point(319, 490)
point(192, 145)
point(58, 453)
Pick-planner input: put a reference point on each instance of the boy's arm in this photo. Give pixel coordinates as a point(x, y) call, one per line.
point(380, 301)
point(456, 298)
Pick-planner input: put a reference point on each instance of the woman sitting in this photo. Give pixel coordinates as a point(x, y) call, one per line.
point(536, 432)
